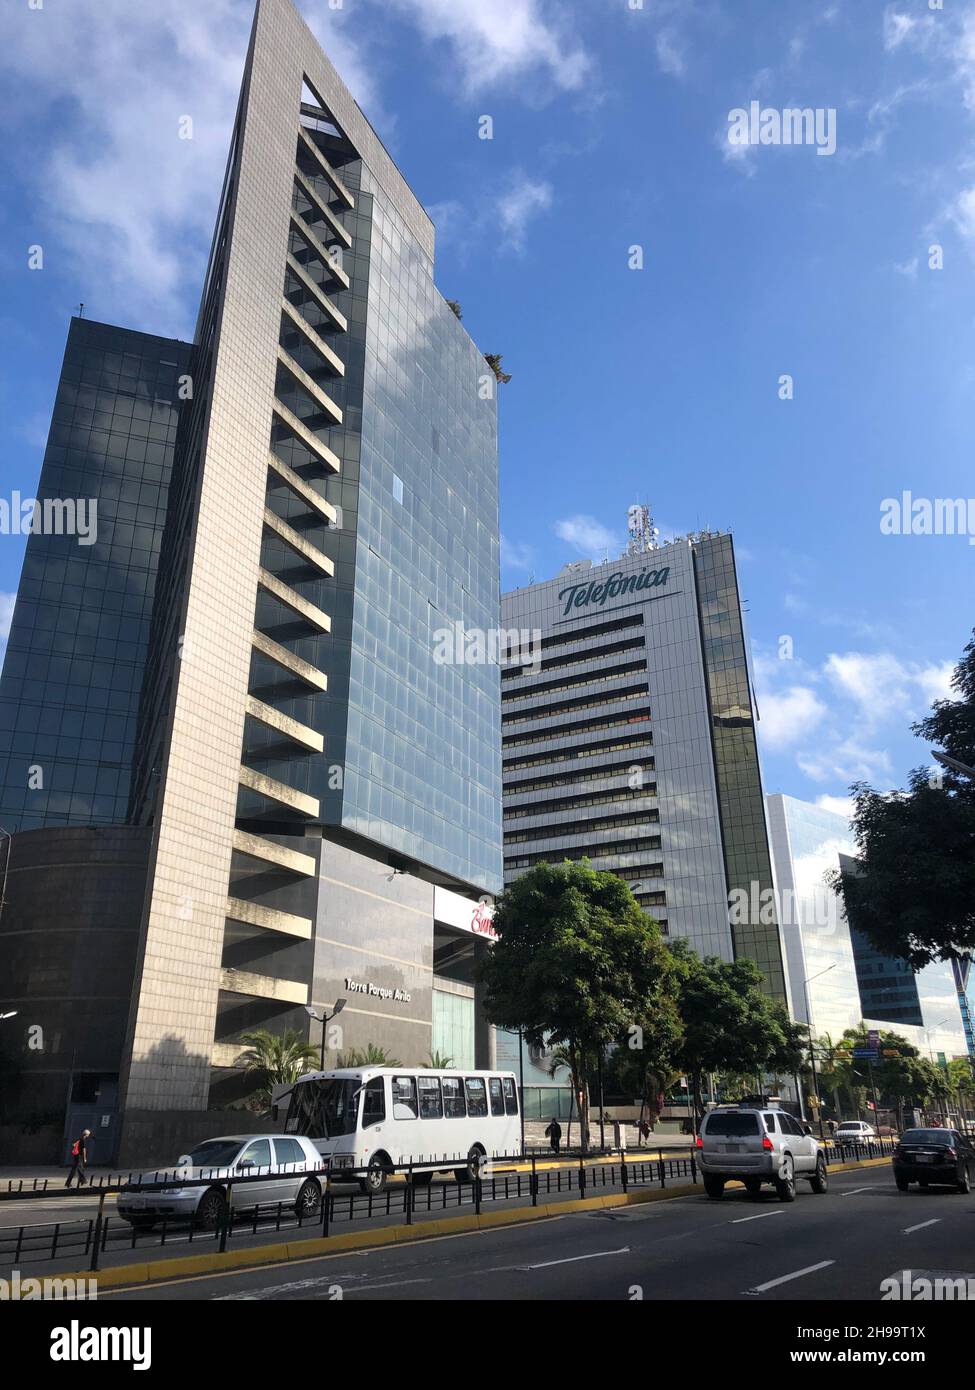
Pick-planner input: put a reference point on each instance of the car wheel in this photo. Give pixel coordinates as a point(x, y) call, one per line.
point(903, 1184)
point(376, 1175)
point(753, 1186)
point(785, 1183)
point(714, 1187)
point(820, 1181)
point(922, 1182)
point(475, 1162)
point(212, 1211)
point(308, 1203)
point(964, 1181)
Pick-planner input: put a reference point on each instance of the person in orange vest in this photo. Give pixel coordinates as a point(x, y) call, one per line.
point(79, 1158)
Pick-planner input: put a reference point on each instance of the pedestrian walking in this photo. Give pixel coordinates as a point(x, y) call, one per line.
point(79, 1158)
point(554, 1135)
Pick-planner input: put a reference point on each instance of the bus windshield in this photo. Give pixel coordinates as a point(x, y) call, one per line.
point(324, 1109)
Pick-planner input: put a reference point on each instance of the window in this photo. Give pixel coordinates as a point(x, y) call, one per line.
point(373, 1103)
point(397, 488)
point(453, 1098)
point(258, 1154)
point(510, 1096)
point(289, 1151)
point(404, 1098)
point(791, 1126)
point(477, 1105)
point(431, 1101)
point(731, 1125)
point(497, 1099)
point(769, 1122)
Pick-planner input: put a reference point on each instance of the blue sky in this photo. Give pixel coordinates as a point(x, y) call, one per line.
point(661, 385)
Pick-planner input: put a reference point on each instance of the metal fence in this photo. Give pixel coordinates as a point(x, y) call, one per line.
point(87, 1239)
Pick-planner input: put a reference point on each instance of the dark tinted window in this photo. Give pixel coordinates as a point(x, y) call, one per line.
point(258, 1153)
point(510, 1096)
point(289, 1151)
point(454, 1106)
point(769, 1119)
point(214, 1153)
point(732, 1125)
point(431, 1103)
point(926, 1136)
point(476, 1096)
point(497, 1099)
point(404, 1098)
point(373, 1102)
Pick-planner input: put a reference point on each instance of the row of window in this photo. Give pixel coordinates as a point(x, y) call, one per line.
point(561, 755)
point(574, 658)
point(584, 827)
point(550, 734)
point(573, 803)
point(577, 635)
point(602, 852)
point(574, 706)
point(573, 779)
point(441, 1098)
point(584, 678)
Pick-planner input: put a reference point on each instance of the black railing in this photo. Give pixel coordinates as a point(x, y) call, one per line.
point(87, 1239)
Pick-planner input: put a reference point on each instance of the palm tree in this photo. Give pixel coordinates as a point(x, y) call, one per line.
point(274, 1059)
point(439, 1062)
point(830, 1073)
point(564, 1058)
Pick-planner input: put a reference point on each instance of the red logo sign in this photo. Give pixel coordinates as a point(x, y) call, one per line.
point(482, 921)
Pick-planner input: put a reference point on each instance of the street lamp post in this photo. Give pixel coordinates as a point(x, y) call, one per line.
point(812, 1046)
point(325, 1019)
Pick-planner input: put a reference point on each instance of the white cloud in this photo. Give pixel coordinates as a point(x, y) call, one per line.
point(845, 760)
point(587, 534)
point(907, 268)
point(500, 43)
point(6, 614)
point(839, 805)
point(669, 56)
point(962, 214)
point(886, 687)
point(515, 555)
point(897, 28)
point(935, 682)
point(789, 715)
point(523, 199)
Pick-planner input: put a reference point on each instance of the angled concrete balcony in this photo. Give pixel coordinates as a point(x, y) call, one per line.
point(314, 289)
point(301, 489)
point(321, 398)
point(283, 724)
point(311, 441)
point(314, 339)
point(296, 666)
point(319, 250)
point(342, 194)
point(310, 192)
point(263, 986)
point(279, 791)
point(269, 918)
point(297, 542)
point(293, 600)
point(256, 847)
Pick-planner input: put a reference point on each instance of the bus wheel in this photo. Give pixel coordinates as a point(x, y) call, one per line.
point(475, 1162)
point(375, 1179)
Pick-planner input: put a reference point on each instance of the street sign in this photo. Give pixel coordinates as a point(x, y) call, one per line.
point(871, 1054)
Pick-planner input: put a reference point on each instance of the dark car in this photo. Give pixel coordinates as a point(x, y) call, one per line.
point(928, 1156)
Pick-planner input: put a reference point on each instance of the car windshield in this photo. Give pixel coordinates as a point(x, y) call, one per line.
point(732, 1125)
point(854, 1125)
point(215, 1153)
point(926, 1136)
point(324, 1109)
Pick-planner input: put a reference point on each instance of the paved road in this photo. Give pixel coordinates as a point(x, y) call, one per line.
point(837, 1246)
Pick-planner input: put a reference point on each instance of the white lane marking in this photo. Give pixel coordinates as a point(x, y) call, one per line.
point(921, 1225)
point(306, 1287)
point(852, 1191)
point(760, 1217)
point(785, 1278)
point(574, 1259)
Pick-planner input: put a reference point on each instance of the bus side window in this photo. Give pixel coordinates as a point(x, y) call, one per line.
point(510, 1096)
point(453, 1098)
point(431, 1101)
point(476, 1096)
point(497, 1099)
point(373, 1103)
point(404, 1098)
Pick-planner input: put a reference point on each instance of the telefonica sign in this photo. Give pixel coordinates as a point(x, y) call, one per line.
point(582, 595)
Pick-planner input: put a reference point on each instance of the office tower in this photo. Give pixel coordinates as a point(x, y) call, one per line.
point(629, 738)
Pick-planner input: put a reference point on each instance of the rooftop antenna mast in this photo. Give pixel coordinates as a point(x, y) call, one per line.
point(642, 532)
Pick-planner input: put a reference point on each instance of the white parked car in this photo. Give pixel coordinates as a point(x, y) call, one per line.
point(854, 1132)
point(755, 1144)
point(285, 1161)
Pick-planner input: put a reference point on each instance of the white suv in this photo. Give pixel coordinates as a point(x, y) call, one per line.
point(758, 1144)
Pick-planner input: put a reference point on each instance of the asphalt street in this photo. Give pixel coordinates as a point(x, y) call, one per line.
point(839, 1246)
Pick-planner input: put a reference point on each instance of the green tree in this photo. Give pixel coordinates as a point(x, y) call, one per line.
point(371, 1056)
point(577, 963)
point(913, 893)
point(729, 1024)
point(274, 1059)
point(439, 1062)
point(493, 359)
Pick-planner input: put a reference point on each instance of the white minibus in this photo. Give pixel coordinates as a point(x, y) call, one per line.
point(376, 1119)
